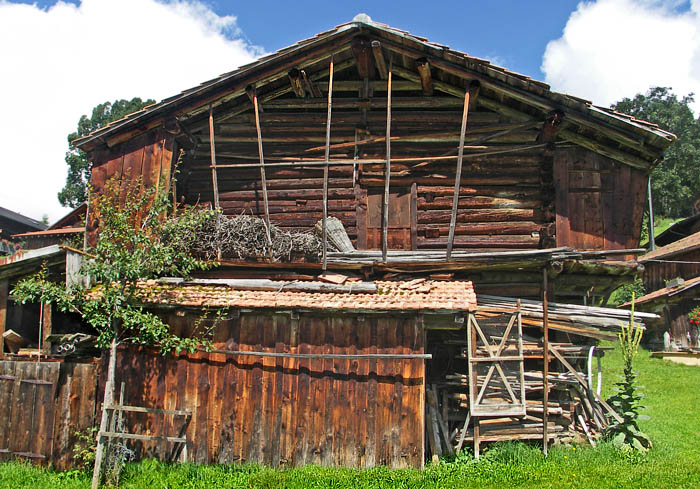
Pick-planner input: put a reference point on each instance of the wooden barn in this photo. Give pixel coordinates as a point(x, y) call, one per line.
point(488, 217)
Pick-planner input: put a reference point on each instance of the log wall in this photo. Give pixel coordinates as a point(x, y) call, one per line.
point(286, 412)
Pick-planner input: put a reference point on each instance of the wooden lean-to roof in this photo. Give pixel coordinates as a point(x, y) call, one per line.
point(621, 137)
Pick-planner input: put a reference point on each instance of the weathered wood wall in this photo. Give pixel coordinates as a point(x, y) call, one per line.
point(286, 412)
point(148, 157)
point(657, 273)
point(42, 405)
point(675, 317)
point(502, 200)
point(599, 202)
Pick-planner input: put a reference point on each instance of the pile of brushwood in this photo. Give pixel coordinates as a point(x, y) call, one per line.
point(245, 236)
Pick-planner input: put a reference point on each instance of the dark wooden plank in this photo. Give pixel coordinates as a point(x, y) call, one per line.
point(302, 408)
point(7, 401)
point(4, 292)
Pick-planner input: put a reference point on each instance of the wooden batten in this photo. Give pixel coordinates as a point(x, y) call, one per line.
point(426, 79)
point(297, 83)
point(379, 60)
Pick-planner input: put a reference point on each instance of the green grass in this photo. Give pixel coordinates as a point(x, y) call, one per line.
point(673, 398)
point(661, 224)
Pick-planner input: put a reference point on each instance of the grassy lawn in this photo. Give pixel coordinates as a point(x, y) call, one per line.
point(673, 398)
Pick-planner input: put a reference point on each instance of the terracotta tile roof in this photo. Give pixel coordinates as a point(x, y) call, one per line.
point(688, 243)
point(414, 295)
point(50, 232)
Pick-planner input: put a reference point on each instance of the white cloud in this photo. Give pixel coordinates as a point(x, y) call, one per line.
point(57, 64)
point(612, 49)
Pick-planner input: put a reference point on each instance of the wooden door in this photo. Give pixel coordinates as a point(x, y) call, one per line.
point(399, 236)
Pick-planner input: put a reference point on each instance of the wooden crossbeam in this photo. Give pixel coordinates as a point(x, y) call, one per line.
point(324, 230)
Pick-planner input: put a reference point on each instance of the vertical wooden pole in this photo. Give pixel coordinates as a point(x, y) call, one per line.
point(458, 175)
point(262, 170)
point(325, 168)
point(107, 400)
point(545, 357)
point(4, 291)
point(387, 173)
point(46, 322)
point(212, 150)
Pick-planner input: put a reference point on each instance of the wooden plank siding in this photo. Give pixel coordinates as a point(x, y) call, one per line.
point(42, 405)
point(599, 202)
point(146, 159)
point(286, 412)
point(656, 274)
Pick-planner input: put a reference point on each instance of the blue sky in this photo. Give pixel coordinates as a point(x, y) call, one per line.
point(60, 59)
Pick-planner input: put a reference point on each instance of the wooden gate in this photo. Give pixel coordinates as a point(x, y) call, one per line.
point(27, 409)
point(496, 373)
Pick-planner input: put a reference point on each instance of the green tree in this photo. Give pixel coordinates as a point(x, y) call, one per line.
point(139, 239)
point(675, 182)
point(75, 191)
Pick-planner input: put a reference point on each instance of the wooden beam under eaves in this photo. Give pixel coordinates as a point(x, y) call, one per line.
point(426, 79)
point(379, 60)
point(296, 82)
point(362, 51)
point(553, 122)
point(310, 86)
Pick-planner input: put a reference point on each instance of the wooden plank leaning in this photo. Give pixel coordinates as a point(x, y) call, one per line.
point(262, 171)
point(387, 172)
point(324, 230)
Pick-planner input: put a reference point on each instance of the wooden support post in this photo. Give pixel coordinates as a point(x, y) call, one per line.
point(212, 149)
point(458, 174)
point(426, 79)
point(387, 173)
point(250, 92)
point(46, 327)
point(262, 169)
point(4, 292)
point(324, 230)
point(311, 87)
point(379, 60)
point(545, 355)
point(297, 83)
point(107, 401)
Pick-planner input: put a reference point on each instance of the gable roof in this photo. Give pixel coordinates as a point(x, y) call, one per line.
point(666, 292)
point(616, 135)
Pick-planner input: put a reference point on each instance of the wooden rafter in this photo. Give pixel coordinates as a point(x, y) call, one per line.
point(362, 51)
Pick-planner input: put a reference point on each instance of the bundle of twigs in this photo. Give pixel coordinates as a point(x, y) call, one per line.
point(245, 236)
